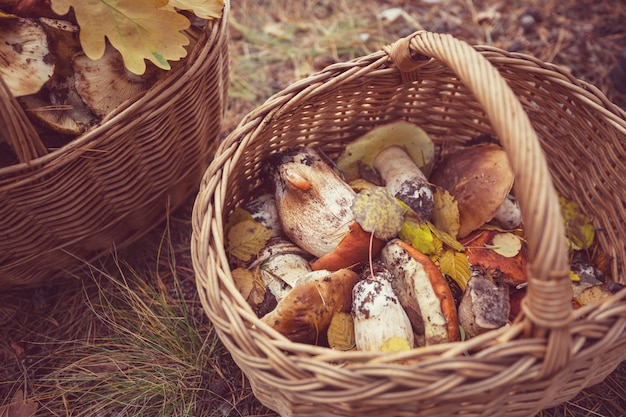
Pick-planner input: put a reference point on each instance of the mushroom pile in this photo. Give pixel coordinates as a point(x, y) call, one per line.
point(384, 248)
point(64, 92)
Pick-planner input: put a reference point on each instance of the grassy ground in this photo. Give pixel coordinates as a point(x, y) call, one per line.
point(127, 335)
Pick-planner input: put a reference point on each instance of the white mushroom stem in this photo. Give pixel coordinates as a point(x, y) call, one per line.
point(423, 293)
point(509, 215)
point(378, 316)
point(405, 180)
point(484, 306)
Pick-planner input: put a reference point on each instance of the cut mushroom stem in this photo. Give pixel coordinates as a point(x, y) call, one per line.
point(405, 180)
point(423, 292)
point(380, 322)
point(484, 306)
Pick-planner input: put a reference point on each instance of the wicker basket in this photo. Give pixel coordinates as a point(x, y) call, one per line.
point(112, 184)
point(559, 133)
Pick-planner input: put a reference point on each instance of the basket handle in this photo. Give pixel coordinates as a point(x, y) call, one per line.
point(547, 309)
point(19, 132)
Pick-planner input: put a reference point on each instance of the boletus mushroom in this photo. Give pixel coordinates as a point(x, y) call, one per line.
point(484, 305)
point(380, 321)
point(314, 206)
point(423, 292)
point(398, 152)
point(480, 178)
point(306, 311)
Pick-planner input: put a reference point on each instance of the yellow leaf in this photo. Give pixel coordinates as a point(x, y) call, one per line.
point(237, 216)
point(251, 287)
point(376, 210)
point(446, 212)
point(395, 344)
point(456, 266)
point(138, 29)
point(246, 239)
point(341, 331)
point(446, 238)
point(419, 236)
point(507, 244)
point(578, 228)
point(205, 9)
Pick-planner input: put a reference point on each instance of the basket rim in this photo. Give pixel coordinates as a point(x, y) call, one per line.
point(215, 28)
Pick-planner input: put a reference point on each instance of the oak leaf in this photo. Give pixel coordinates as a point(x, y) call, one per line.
point(139, 30)
point(205, 9)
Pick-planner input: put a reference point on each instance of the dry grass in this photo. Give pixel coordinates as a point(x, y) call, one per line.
point(129, 337)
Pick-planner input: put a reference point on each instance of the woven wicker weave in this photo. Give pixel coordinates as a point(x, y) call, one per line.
point(559, 133)
point(112, 184)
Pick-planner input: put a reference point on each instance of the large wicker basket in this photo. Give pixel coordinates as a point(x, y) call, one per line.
point(112, 184)
point(560, 134)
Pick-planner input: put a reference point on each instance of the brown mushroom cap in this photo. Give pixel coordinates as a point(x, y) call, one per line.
point(305, 313)
point(479, 178)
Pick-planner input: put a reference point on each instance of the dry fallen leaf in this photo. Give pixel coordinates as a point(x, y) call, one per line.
point(578, 228)
point(446, 212)
point(246, 239)
point(20, 406)
point(421, 237)
point(205, 9)
point(138, 29)
point(395, 344)
point(340, 332)
point(456, 266)
point(507, 244)
point(251, 287)
point(376, 210)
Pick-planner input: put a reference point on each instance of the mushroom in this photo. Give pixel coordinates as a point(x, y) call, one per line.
point(509, 215)
point(25, 61)
point(480, 179)
point(105, 83)
point(423, 292)
point(59, 107)
point(281, 265)
point(306, 311)
point(263, 210)
point(484, 305)
point(314, 206)
point(380, 322)
point(396, 151)
point(63, 37)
